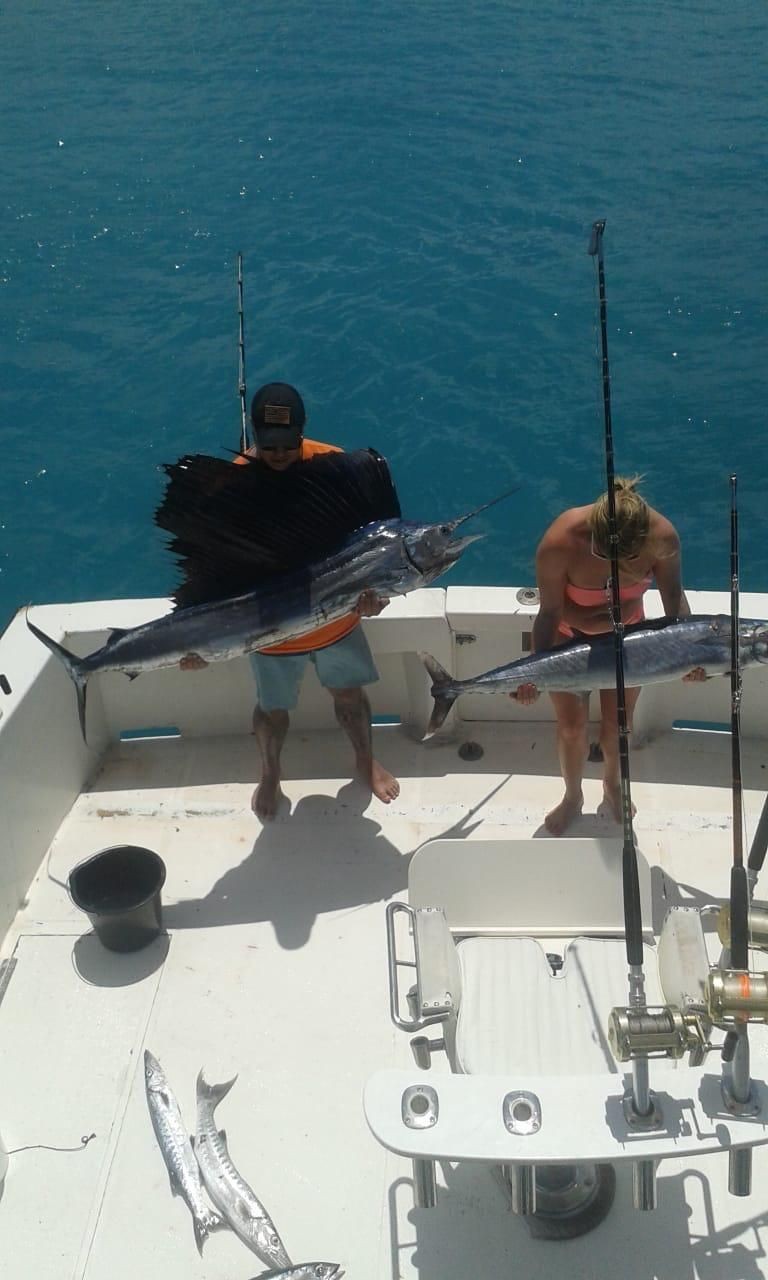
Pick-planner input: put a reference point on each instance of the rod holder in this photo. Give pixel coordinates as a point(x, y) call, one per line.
point(424, 1184)
point(644, 1193)
point(423, 1048)
point(740, 1171)
point(522, 1188)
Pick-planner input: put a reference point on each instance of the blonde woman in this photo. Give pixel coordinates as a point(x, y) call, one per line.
point(573, 576)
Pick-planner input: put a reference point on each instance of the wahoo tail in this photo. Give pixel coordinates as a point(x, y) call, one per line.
point(212, 1093)
point(444, 693)
point(76, 670)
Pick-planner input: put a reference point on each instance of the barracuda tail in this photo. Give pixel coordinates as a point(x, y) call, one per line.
point(213, 1093)
point(442, 682)
point(76, 670)
point(204, 1227)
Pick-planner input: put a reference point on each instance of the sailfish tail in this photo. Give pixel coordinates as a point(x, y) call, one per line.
point(75, 667)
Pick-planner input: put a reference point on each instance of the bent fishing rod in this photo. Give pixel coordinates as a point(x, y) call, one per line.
point(633, 920)
point(241, 357)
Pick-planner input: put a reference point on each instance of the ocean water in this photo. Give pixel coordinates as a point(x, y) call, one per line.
point(412, 187)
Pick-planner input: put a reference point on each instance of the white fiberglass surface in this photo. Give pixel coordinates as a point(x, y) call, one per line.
point(274, 969)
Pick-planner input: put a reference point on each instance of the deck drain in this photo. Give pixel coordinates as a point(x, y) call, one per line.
point(528, 595)
point(471, 751)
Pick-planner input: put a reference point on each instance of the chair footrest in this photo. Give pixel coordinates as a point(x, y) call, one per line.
point(582, 1117)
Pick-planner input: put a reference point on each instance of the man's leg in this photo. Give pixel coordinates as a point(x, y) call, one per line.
point(353, 712)
point(609, 741)
point(278, 680)
point(270, 728)
point(572, 711)
point(344, 668)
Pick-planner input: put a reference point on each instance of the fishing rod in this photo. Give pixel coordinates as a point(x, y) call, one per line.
point(241, 357)
point(641, 1102)
point(632, 914)
point(758, 849)
point(737, 1084)
point(739, 880)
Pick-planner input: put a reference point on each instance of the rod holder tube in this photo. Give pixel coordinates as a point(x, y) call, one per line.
point(422, 1052)
point(641, 1092)
point(424, 1184)
point(740, 1085)
point(522, 1188)
point(740, 1171)
point(644, 1193)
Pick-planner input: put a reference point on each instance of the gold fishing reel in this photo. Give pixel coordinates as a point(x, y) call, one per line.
point(757, 926)
point(659, 1032)
point(735, 997)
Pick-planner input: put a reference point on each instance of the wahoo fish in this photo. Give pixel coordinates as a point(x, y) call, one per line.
point(270, 556)
point(654, 651)
point(176, 1149)
point(306, 1271)
point(231, 1194)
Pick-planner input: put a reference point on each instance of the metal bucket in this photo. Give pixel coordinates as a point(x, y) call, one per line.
point(119, 890)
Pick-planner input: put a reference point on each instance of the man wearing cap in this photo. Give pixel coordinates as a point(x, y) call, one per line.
point(339, 650)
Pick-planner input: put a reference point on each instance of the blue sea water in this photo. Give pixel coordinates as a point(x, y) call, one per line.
point(412, 187)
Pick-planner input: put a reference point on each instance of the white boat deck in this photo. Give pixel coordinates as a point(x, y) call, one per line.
point(274, 968)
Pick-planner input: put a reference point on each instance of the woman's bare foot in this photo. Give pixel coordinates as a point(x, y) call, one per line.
point(561, 817)
point(267, 797)
point(383, 784)
point(611, 804)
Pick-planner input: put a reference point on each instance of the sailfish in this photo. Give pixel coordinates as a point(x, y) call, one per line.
point(268, 556)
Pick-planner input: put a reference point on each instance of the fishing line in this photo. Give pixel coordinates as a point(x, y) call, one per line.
point(43, 1146)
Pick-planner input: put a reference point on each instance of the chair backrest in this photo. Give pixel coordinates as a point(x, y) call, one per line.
point(556, 888)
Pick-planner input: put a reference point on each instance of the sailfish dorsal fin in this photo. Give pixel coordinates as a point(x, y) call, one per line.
point(234, 527)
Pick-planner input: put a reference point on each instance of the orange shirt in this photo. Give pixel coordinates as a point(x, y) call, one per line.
point(332, 631)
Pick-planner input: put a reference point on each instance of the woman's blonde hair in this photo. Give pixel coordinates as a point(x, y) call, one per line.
point(633, 519)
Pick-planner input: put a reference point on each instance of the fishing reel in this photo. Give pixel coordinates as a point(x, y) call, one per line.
point(757, 925)
point(735, 997)
point(659, 1032)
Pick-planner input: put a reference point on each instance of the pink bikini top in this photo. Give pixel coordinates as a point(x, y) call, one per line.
point(596, 595)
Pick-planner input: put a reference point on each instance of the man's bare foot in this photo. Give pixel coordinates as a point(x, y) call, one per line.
point(266, 798)
point(561, 817)
point(611, 804)
point(382, 783)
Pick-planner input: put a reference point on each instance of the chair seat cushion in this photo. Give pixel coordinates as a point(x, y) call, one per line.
point(515, 1015)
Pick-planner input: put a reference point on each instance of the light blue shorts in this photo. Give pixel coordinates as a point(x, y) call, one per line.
point(347, 664)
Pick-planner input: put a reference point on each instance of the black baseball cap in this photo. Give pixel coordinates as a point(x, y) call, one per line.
point(278, 416)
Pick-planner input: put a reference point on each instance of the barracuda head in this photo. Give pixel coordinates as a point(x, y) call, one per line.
point(432, 548)
point(153, 1073)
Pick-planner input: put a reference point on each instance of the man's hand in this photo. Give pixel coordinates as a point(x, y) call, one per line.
point(192, 662)
point(526, 694)
point(695, 676)
point(370, 604)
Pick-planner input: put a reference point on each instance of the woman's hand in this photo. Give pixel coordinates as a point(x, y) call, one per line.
point(695, 676)
point(526, 694)
point(370, 604)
